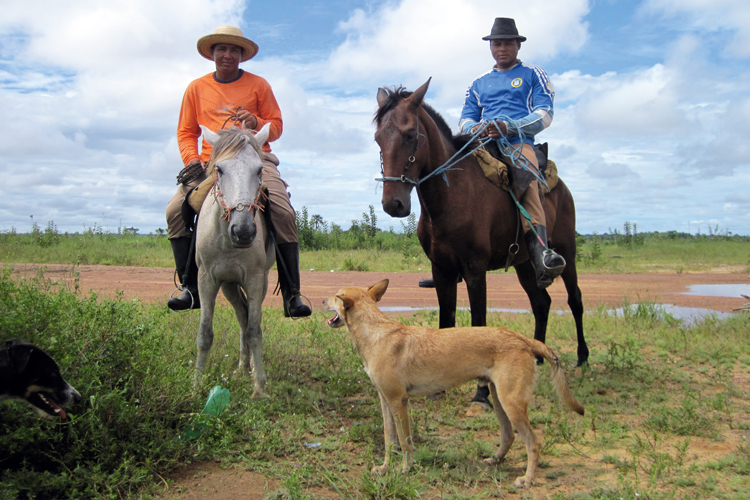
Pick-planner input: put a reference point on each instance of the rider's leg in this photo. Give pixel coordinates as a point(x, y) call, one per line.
point(180, 238)
point(547, 263)
point(285, 225)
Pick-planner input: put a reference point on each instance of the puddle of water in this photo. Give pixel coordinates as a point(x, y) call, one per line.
point(689, 316)
point(736, 290)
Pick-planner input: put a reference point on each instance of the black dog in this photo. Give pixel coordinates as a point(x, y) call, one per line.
point(29, 373)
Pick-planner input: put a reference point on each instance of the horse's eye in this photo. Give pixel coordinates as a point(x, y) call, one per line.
point(219, 171)
point(410, 135)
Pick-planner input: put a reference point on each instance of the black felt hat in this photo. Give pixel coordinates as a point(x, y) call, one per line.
point(504, 29)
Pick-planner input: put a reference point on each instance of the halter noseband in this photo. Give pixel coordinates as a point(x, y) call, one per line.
point(409, 162)
point(239, 207)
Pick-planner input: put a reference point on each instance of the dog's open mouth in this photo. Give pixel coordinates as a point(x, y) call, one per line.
point(46, 404)
point(334, 320)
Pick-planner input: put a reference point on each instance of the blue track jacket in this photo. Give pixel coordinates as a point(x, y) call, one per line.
point(523, 93)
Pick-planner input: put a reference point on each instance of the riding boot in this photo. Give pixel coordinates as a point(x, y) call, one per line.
point(289, 281)
point(187, 270)
point(547, 263)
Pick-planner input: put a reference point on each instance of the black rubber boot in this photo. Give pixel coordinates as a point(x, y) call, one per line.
point(430, 283)
point(188, 274)
point(293, 305)
point(548, 264)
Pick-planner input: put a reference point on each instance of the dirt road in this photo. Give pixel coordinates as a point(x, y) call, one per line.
point(504, 292)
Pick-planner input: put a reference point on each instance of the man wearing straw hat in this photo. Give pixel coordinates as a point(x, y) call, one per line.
point(231, 96)
point(524, 94)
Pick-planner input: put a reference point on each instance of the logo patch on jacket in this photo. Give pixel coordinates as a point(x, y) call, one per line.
point(517, 82)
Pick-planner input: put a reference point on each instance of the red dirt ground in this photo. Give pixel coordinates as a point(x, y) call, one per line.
point(503, 291)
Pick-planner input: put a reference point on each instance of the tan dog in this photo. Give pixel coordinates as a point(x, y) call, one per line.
point(410, 361)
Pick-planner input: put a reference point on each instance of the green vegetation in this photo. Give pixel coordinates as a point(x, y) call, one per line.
point(364, 247)
point(667, 408)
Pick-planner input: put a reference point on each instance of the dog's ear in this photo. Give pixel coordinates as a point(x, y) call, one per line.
point(347, 301)
point(377, 290)
point(19, 355)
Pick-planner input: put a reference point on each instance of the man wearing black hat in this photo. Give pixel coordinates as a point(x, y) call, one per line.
point(523, 93)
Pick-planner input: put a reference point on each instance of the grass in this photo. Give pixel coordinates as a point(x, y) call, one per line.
point(667, 409)
point(391, 252)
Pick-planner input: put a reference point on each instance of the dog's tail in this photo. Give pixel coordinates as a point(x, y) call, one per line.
point(558, 376)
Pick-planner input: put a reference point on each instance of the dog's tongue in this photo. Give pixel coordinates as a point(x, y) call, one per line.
point(331, 320)
point(59, 411)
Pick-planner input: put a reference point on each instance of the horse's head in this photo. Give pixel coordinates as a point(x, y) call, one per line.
point(403, 145)
point(236, 161)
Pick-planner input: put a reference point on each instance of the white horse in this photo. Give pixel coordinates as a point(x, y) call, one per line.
point(232, 246)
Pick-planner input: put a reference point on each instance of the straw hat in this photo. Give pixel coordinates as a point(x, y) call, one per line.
point(227, 34)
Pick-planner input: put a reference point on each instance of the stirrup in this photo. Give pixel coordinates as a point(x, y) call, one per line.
point(288, 309)
point(183, 289)
point(546, 275)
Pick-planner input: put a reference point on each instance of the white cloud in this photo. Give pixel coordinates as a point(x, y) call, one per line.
point(91, 93)
point(711, 16)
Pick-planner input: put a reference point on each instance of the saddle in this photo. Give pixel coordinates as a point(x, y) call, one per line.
point(500, 171)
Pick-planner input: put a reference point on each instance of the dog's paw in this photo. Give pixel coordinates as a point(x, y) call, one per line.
point(378, 470)
point(522, 482)
point(478, 408)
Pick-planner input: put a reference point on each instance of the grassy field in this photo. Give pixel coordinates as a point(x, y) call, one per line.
point(388, 252)
point(668, 409)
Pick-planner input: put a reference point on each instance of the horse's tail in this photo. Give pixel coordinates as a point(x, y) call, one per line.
point(558, 376)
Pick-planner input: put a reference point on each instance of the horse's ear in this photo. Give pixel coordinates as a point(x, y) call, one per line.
point(262, 136)
point(416, 98)
point(347, 301)
point(210, 136)
point(377, 290)
point(382, 96)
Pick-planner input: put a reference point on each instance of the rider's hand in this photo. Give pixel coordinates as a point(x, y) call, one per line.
point(493, 132)
point(248, 119)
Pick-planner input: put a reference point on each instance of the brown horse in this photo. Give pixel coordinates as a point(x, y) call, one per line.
point(467, 225)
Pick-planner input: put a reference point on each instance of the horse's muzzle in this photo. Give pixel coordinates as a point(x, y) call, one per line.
point(395, 207)
point(243, 234)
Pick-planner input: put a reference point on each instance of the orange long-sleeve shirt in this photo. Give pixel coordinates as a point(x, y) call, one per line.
point(209, 103)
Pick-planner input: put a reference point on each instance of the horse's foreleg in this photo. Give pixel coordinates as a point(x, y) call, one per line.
point(538, 297)
point(251, 339)
point(477, 288)
point(207, 289)
point(446, 288)
point(233, 293)
point(575, 302)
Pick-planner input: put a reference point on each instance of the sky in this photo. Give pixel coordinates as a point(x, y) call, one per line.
point(651, 108)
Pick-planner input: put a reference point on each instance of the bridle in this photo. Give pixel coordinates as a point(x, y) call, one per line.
point(412, 158)
point(226, 213)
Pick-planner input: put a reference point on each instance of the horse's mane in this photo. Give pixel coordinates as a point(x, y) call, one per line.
point(397, 94)
point(231, 141)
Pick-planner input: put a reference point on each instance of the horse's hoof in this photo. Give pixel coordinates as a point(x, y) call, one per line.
point(260, 395)
point(478, 408)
